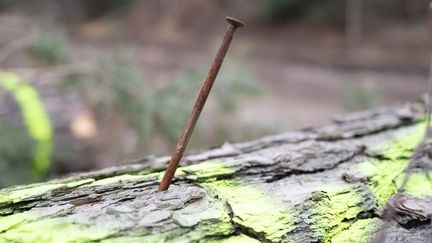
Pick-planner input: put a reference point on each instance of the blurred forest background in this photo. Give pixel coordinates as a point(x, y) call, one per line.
point(117, 78)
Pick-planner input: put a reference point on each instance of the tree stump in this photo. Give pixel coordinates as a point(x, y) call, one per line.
point(327, 184)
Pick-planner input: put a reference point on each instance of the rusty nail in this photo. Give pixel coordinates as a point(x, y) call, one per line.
point(199, 104)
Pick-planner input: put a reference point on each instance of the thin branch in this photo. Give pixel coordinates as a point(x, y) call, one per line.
point(389, 211)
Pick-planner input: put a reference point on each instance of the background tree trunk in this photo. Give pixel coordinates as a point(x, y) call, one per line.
point(321, 184)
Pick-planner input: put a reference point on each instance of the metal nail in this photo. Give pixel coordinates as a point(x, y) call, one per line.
point(199, 104)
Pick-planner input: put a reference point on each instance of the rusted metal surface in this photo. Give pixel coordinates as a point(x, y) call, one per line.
point(199, 104)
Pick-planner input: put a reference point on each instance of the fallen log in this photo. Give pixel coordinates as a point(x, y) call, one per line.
point(327, 184)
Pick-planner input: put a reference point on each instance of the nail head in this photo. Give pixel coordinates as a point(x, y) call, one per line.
point(235, 22)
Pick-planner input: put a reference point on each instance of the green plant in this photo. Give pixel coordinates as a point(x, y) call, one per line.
point(49, 47)
point(172, 102)
point(37, 126)
point(16, 154)
point(158, 110)
point(236, 83)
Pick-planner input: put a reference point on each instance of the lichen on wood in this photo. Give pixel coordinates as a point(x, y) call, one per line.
point(325, 184)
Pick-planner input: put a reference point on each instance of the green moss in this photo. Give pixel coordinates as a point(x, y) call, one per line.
point(80, 182)
point(10, 221)
point(385, 175)
point(382, 175)
point(203, 232)
point(337, 206)
point(117, 179)
point(23, 193)
point(207, 169)
point(253, 209)
point(138, 239)
point(54, 230)
point(144, 236)
point(360, 231)
point(239, 239)
point(142, 176)
point(18, 195)
point(418, 184)
point(402, 146)
point(332, 210)
point(206, 230)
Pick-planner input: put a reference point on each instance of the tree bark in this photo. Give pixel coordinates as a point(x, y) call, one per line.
point(327, 184)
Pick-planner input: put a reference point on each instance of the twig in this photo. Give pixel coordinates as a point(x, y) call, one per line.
point(389, 211)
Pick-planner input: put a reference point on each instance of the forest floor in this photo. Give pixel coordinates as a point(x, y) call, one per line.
point(307, 71)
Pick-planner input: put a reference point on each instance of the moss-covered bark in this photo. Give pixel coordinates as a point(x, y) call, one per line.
point(328, 184)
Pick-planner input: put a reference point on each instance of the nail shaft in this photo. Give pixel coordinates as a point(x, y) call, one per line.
point(199, 104)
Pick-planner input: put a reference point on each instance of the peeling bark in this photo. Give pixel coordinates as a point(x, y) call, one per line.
point(327, 184)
